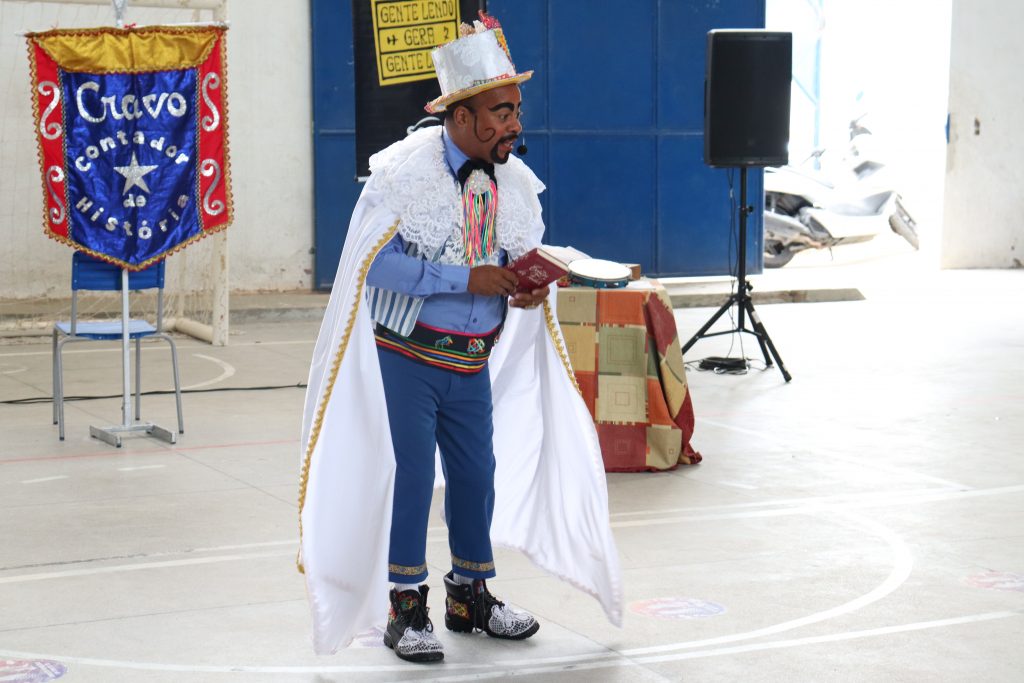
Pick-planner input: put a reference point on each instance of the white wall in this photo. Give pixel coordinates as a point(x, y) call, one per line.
point(269, 127)
point(270, 90)
point(984, 205)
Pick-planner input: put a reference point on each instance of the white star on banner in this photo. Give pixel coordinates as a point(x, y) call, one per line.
point(133, 175)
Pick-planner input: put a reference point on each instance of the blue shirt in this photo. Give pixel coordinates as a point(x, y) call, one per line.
point(447, 305)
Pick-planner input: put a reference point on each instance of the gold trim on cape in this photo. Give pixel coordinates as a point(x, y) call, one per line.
point(550, 319)
point(318, 422)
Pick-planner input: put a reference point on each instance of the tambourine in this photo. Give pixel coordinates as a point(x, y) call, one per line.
point(593, 272)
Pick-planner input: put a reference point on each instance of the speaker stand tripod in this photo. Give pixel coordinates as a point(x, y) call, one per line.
point(741, 297)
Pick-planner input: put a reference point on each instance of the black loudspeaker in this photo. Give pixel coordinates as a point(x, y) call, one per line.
point(746, 98)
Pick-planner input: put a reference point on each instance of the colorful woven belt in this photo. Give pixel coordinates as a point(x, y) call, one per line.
point(465, 353)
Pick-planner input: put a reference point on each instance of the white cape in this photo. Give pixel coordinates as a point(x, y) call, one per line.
point(551, 499)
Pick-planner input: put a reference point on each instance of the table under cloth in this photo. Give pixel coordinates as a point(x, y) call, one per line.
point(624, 349)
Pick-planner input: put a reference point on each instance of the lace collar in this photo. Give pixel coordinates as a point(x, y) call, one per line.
point(417, 186)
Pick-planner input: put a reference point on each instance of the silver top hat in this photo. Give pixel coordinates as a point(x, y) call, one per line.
point(477, 61)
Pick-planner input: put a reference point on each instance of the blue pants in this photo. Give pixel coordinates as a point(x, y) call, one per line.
point(429, 407)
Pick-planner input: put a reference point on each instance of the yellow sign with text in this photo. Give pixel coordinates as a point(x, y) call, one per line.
point(405, 32)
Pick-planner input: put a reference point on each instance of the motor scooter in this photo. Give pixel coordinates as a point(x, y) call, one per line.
point(807, 208)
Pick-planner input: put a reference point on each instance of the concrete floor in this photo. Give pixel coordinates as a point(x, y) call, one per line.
point(862, 523)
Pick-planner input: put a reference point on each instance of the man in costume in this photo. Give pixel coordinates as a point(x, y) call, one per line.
point(407, 364)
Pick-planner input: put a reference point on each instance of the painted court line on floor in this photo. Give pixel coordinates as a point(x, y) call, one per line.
point(227, 370)
point(836, 637)
point(153, 347)
point(735, 485)
point(137, 566)
point(149, 451)
point(523, 667)
point(902, 563)
point(902, 566)
point(43, 576)
point(816, 508)
point(779, 502)
point(437, 534)
point(148, 556)
point(516, 669)
point(42, 479)
point(881, 467)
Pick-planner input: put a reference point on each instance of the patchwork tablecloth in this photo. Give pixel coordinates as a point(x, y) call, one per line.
point(625, 352)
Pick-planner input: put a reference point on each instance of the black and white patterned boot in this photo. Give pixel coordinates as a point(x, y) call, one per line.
point(410, 632)
point(470, 607)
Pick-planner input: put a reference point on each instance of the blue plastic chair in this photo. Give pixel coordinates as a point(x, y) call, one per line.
point(91, 274)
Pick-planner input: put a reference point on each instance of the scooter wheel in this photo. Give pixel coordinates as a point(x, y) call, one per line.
point(776, 255)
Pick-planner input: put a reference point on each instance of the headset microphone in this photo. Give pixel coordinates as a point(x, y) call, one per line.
point(521, 149)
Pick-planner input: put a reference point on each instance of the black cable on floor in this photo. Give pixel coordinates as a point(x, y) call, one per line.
point(49, 399)
point(728, 365)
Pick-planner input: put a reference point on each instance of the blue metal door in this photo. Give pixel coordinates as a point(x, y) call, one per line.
point(614, 123)
point(334, 134)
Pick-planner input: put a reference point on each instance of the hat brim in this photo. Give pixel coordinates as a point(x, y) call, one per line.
point(440, 104)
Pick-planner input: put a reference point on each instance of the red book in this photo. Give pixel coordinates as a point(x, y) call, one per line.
point(536, 268)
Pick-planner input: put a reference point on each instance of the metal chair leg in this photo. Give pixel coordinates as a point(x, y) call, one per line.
point(177, 381)
point(138, 379)
point(53, 375)
point(58, 394)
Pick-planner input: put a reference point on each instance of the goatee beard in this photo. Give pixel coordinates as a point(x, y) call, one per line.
point(495, 156)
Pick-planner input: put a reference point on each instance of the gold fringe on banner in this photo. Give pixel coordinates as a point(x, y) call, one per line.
point(128, 50)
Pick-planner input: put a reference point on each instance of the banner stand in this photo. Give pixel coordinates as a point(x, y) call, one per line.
point(112, 435)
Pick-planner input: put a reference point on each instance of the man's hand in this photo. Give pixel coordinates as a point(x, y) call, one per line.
point(491, 281)
point(530, 299)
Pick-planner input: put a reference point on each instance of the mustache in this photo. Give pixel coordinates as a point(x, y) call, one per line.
point(508, 138)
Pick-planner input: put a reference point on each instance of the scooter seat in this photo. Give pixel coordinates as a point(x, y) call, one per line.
point(872, 205)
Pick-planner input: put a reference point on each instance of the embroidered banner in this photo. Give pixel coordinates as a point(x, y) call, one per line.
point(132, 130)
